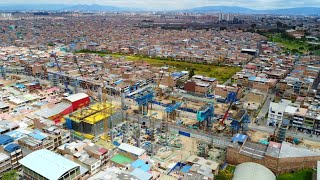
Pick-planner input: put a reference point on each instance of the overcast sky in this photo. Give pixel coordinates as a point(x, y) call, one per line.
point(179, 4)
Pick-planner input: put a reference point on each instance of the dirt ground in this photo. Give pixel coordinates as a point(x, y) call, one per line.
point(189, 148)
point(310, 144)
point(255, 136)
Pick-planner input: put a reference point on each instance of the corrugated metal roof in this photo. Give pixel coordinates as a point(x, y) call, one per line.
point(76, 97)
point(131, 149)
point(5, 139)
point(140, 174)
point(48, 164)
point(12, 147)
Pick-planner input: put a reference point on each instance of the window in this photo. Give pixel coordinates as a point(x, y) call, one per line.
point(280, 113)
point(273, 111)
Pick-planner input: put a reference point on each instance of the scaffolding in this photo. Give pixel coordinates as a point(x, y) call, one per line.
point(144, 100)
point(90, 122)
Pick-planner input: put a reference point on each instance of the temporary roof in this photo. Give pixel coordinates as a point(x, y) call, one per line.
point(76, 97)
point(131, 149)
point(250, 171)
point(48, 164)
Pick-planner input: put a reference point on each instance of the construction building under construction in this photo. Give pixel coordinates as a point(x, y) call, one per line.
point(91, 121)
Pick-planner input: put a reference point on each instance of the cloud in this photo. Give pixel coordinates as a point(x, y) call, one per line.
point(180, 4)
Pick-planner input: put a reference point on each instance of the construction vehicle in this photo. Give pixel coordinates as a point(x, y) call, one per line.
point(232, 99)
point(66, 87)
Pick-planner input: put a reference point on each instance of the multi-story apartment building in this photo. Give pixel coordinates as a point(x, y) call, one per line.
point(276, 111)
point(292, 87)
point(5, 163)
point(12, 150)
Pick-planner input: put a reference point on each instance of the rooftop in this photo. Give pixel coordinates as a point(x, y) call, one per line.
point(289, 150)
point(48, 164)
point(132, 149)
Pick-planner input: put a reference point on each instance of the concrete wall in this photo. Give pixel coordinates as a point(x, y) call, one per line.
point(276, 165)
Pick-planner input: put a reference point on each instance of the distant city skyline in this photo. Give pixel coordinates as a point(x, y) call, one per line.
point(179, 4)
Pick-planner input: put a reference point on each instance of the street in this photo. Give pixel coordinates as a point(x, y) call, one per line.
point(265, 108)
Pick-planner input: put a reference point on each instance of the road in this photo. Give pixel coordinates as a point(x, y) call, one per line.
point(265, 108)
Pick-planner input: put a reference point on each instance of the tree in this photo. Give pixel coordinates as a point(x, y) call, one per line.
point(10, 175)
point(223, 175)
point(191, 73)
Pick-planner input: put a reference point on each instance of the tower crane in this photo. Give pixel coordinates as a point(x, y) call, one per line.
point(89, 92)
point(66, 87)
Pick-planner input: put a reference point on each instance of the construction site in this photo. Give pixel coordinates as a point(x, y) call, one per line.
point(177, 132)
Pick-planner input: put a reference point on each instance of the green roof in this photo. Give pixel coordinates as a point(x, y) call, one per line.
point(120, 159)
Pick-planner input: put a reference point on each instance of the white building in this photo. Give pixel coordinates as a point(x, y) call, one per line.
point(5, 163)
point(276, 111)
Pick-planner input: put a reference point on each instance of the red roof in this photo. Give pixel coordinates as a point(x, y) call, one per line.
point(102, 150)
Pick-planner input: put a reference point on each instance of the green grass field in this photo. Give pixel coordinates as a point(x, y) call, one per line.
point(222, 73)
point(305, 174)
point(317, 52)
point(293, 45)
point(290, 44)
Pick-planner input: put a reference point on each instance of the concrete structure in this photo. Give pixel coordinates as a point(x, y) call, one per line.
point(90, 122)
point(45, 164)
point(252, 171)
point(279, 158)
point(276, 111)
point(5, 163)
point(202, 163)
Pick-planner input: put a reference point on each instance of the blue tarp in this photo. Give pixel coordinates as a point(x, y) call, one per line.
point(185, 168)
point(118, 82)
point(239, 138)
point(116, 143)
point(20, 86)
point(184, 133)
